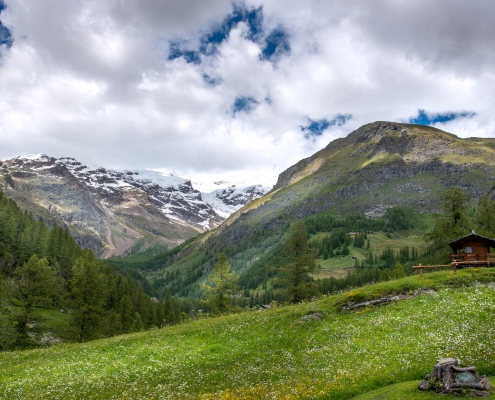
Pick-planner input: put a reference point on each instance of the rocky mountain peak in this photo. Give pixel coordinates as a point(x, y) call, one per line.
point(377, 130)
point(120, 207)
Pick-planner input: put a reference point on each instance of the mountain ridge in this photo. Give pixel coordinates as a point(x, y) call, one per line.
point(113, 211)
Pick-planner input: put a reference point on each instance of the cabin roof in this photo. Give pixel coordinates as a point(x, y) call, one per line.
point(455, 243)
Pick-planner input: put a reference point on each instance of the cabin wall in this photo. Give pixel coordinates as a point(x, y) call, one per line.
point(480, 249)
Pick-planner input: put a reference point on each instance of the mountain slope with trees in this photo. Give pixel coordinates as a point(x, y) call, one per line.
point(385, 180)
point(53, 290)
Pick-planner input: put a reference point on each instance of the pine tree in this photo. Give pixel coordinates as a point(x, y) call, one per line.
point(223, 285)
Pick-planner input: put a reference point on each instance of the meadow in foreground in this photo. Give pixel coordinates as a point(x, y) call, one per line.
point(275, 354)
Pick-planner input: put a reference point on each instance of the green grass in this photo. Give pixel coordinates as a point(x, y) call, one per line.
point(273, 354)
point(405, 391)
point(335, 266)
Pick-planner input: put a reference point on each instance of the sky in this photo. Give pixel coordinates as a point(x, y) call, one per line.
point(235, 90)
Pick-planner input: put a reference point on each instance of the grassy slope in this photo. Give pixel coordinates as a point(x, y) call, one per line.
point(405, 391)
point(338, 267)
point(336, 167)
point(273, 354)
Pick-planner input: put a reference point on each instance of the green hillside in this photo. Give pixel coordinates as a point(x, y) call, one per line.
point(278, 353)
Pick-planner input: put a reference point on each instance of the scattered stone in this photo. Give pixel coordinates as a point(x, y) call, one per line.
point(317, 315)
point(386, 299)
point(48, 339)
point(486, 383)
point(449, 376)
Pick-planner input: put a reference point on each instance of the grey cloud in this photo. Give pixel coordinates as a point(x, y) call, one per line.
point(452, 35)
point(92, 80)
point(169, 17)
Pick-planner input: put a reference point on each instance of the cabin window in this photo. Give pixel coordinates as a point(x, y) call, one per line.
point(469, 249)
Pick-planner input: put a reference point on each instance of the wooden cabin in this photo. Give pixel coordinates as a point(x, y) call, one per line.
point(472, 249)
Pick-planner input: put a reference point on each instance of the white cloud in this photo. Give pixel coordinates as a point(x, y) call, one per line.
point(92, 80)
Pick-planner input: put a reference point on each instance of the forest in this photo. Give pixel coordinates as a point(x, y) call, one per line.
point(44, 272)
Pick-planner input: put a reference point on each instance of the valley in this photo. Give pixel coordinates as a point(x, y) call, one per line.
point(247, 200)
point(379, 167)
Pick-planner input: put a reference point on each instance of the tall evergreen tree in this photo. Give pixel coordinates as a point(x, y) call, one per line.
point(36, 285)
point(89, 286)
point(451, 223)
point(485, 216)
point(223, 284)
point(299, 262)
point(168, 309)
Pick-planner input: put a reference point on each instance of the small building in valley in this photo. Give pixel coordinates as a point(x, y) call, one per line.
point(468, 251)
point(472, 249)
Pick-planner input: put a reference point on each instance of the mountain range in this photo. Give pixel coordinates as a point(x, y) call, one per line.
point(376, 167)
point(117, 212)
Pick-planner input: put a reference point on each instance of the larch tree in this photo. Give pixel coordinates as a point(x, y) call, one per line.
point(451, 223)
point(222, 286)
point(89, 293)
point(36, 285)
point(298, 263)
point(485, 216)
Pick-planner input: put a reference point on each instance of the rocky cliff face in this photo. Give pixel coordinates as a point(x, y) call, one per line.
point(114, 211)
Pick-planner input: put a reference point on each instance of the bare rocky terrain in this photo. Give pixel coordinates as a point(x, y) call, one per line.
point(116, 212)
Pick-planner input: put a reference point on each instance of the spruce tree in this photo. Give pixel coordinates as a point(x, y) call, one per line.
point(126, 315)
point(36, 285)
point(137, 324)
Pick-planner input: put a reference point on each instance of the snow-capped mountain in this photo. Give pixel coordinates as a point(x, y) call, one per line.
point(113, 211)
point(228, 198)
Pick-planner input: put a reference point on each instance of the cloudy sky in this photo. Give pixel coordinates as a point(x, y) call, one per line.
point(235, 90)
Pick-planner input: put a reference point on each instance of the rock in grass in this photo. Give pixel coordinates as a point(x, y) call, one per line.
point(449, 376)
point(309, 317)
